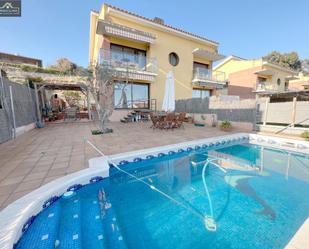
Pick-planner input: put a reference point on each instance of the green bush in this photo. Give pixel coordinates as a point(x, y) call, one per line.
point(305, 135)
point(96, 132)
point(226, 124)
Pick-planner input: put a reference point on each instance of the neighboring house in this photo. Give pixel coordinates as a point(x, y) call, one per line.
point(144, 50)
point(247, 78)
point(17, 59)
point(301, 83)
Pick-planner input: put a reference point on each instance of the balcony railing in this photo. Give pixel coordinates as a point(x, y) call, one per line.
point(266, 86)
point(131, 65)
point(203, 74)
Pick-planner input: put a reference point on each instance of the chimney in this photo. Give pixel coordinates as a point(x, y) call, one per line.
point(158, 20)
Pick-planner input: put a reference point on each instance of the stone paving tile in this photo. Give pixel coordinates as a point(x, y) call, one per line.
point(42, 155)
point(35, 176)
point(29, 185)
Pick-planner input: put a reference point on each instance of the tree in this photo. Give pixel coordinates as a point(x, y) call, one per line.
point(72, 97)
point(102, 90)
point(305, 66)
point(288, 60)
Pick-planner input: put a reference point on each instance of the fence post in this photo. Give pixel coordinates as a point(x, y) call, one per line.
point(37, 103)
point(266, 111)
point(13, 112)
point(294, 111)
point(88, 104)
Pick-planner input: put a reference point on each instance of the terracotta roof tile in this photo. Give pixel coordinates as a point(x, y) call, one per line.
point(165, 25)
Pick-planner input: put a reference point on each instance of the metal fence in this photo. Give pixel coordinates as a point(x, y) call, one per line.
point(236, 110)
point(17, 107)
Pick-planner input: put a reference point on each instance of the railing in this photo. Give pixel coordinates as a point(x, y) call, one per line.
point(203, 74)
point(138, 104)
point(127, 61)
point(266, 86)
point(290, 125)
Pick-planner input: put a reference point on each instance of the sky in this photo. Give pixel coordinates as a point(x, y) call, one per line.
point(50, 29)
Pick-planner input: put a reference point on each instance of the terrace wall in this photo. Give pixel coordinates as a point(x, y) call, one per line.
point(24, 108)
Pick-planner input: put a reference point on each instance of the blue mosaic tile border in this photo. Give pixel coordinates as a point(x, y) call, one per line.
point(187, 149)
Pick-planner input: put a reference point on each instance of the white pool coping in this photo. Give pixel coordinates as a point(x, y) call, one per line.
point(14, 216)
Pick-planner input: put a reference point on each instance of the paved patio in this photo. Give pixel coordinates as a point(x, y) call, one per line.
point(42, 155)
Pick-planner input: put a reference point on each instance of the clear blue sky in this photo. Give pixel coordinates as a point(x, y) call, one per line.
point(49, 29)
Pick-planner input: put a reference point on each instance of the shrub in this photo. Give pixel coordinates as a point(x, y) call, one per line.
point(305, 135)
point(226, 124)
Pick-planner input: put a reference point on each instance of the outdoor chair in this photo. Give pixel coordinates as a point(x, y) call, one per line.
point(181, 119)
point(155, 121)
point(169, 121)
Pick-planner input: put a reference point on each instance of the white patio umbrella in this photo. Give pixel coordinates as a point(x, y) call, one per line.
point(169, 96)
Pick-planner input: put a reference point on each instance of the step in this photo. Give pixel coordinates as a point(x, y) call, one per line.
point(69, 233)
point(111, 229)
point(42, 232)
point(92, 229)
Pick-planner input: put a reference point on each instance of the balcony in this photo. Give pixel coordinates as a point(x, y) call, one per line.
point(129, 66)
point(266, 87)
point(207, 77)
point(112, 29)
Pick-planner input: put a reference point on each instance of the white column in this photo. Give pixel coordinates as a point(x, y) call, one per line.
point(37, 103)
point(266, 111)
point(13, 112)
point(294, 111)
point(88, 104)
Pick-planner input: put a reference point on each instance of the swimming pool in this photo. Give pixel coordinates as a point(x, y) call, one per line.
point(253, 196)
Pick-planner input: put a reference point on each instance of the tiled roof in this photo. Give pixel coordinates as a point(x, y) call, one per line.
point(164, 25)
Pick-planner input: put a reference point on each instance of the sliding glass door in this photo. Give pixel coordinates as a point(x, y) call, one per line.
point(133, 95)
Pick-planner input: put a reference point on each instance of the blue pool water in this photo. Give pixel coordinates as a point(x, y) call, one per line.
point(260, 202)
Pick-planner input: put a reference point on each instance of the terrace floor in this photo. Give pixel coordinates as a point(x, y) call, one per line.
point(42, 155)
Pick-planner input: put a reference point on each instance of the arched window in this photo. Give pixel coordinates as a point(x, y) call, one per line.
point(173, 59)
point(278, 81)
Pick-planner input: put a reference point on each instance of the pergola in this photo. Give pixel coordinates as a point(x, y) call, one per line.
point(300, 95)
point(42, 86)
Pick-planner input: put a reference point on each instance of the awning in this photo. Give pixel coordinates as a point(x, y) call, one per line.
point(291, 77)
point(266, 72)
point(113, 29)
point(205, 54)
point(63, 86)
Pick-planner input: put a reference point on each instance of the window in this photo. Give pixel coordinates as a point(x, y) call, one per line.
point(201, 93)
point(134, 57)
point(286, 86)
point(261, 79)
point(201, 70)
point(132, 95)
point(173, 59)
point(278, 82)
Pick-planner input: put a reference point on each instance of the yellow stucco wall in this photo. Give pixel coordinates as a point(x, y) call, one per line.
point(301, 83)
point(165, 43)
point(278, 74)
point(234, 65)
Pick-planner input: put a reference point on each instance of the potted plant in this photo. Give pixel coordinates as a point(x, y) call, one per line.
point(226, 125)
point(305, 135)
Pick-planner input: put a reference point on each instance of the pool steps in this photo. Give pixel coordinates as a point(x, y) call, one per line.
point(47, 231)
point(111, 228)
point(69, 232)
point(93, 236)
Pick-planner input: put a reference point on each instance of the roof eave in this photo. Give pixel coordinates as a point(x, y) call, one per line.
point(148, 22)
